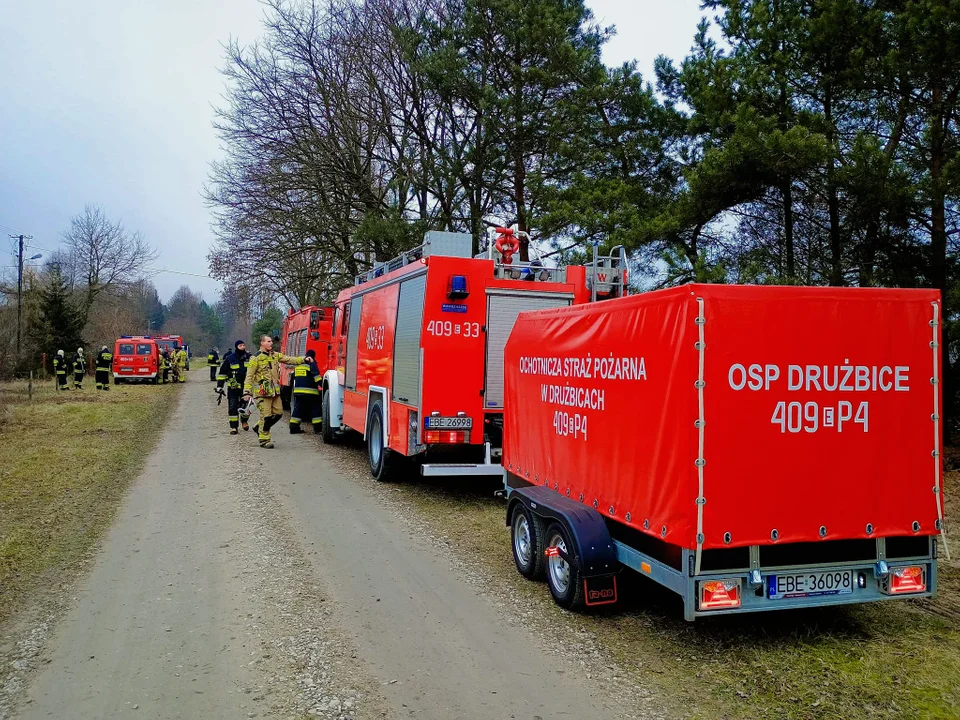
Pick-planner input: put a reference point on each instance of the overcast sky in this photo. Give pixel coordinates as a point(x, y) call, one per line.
point(109, 102)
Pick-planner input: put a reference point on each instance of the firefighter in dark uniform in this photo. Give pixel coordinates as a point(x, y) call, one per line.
point(306, 395)
point(233, 372)
point(60, 370)
point(213, 362)
point(79, 369)
point(104, 361)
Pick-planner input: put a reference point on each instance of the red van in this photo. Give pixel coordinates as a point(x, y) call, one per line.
point(135, 359)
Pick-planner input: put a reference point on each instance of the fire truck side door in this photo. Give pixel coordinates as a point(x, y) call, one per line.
point(352, 321)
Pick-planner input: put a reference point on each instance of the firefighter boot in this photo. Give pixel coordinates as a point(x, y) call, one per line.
point(295, 426)
point(234, 431)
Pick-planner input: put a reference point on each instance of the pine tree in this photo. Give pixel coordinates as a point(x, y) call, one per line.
point(58, 323)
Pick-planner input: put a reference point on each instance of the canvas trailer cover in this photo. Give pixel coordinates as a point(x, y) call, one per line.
point(714, 417)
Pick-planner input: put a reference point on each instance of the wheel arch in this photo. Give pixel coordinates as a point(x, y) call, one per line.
point(586, 526)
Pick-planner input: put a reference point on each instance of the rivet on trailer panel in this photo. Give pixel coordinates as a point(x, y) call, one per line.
point(581, 497)
point(774, 534)
point(663, 531)
point(556, 486)
point(727, 538)
point(916, 526)
point(568, 492)
point(934, 417)
point(823, 531)
point(627, 518)
point(646, 524)
point(611, 510)
point(596, 503)
point(869, 528)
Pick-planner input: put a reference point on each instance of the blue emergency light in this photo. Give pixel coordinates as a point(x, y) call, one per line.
point(458, 289)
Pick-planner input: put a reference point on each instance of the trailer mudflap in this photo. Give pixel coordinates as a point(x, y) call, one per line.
point(600, 590)
point(595, 548)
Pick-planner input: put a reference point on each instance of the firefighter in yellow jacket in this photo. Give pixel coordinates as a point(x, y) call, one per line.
point(182, 365)
point(263, 383)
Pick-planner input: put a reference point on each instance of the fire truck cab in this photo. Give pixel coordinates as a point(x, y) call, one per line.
point(309, 328)
point(417, 349)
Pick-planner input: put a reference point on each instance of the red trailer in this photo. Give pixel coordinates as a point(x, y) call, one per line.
point(310, 328)
point(752, 448)
point(418, 350)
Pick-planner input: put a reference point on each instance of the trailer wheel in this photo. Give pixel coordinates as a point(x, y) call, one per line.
point(563, 577)
point(328, 434)
point(381, 457)
point(526, 535)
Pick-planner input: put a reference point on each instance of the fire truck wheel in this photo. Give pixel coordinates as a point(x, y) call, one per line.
point(285, 395)
point(116, 381)
point(381, 457)
point(329, 435)
point(563, 576)
point(526, 534)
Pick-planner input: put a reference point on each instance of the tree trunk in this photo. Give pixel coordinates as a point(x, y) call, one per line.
point(833, 198)
point(787, 192)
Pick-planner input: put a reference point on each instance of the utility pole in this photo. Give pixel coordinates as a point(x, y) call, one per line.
point(20, 239)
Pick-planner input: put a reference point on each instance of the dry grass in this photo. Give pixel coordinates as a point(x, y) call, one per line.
point(65, 461)
point(885, 660)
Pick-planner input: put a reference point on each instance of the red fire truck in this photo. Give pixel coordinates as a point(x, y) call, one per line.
point(309, 328)
point(170, 342)
point(417, 359)
point(135, 359)
point(749, 448)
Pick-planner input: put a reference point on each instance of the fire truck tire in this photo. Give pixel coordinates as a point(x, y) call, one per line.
point(116, 381)
point(329, 435)
point(382, 458)
point(285, 395)
point(526, 537)
point(563, 576)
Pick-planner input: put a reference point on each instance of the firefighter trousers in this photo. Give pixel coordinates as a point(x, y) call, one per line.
point(271, 412)
point(103, 379)
point(62, 380)
point(213, 373)
point(233, 407)
point(305, 410)
point(78, 380)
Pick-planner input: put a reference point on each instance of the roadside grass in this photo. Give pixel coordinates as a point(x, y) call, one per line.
point(65, 461)
point(884, 660)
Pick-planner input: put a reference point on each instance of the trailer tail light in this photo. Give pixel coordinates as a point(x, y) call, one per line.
point(446, 437)
point(719, 594)
point(904, 580)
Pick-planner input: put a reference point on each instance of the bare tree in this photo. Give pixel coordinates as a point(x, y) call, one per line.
point(103, 254)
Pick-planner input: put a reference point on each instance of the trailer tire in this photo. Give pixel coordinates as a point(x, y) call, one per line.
point(328, 433)
point(382, 460)
point(564, 578)
point(526, 539)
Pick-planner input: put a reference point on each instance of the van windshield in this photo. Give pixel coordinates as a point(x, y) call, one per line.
point(145, 349)
point(126, 348)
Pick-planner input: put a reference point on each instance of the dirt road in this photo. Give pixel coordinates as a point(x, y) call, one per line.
point(240, 582)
